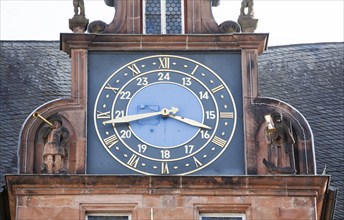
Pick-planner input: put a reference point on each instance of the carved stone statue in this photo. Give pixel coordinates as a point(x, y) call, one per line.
point(246, 20)
point(55, 147)
point(249, 5)
point(79, 4)
point(78, 24)
point(280, 146)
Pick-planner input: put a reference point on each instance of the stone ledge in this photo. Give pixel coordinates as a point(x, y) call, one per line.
point(122, 42)
point(312, 185)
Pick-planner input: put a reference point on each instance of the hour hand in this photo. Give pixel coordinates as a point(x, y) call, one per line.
point(128, 118)
point(189, 121)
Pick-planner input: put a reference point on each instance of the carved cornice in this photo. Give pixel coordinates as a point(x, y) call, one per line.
point(107, 42)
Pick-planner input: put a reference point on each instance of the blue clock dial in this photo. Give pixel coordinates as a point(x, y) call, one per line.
point(165, 115)
point(157, 130)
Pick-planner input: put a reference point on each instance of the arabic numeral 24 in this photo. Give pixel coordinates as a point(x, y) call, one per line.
point(163, 76)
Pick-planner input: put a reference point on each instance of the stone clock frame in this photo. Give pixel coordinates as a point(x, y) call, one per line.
point(73, 110)
point(72, 194)
point(256, 195)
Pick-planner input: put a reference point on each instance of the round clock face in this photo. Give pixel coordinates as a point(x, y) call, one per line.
point(165, 114)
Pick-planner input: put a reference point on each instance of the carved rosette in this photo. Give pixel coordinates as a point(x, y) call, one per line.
point(229, 27)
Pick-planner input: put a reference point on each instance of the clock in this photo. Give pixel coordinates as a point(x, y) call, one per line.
point(161, 114)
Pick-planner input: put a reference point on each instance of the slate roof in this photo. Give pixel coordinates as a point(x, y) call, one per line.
point(31, 73)
point(310, 77)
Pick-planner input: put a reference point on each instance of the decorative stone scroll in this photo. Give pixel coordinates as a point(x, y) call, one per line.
point(229, 27)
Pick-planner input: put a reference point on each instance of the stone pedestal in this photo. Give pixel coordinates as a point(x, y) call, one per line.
point(78, 24)
point(247, 23)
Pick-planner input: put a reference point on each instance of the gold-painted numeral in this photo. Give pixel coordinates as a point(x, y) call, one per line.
point(164, 168)
point(194, 70)
point(218, 88)
point(226, 114)
point(135, 70)
point(108, 86)
point(197, 162)
point(103, 115)
point(219, 142)
point(110, 141)
point(133, 161)
point(164, 63)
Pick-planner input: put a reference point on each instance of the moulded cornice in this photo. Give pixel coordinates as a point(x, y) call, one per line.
point(109, 42)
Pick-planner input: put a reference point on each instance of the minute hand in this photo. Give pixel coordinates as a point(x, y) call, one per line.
point(129, 118)
point(189, 121)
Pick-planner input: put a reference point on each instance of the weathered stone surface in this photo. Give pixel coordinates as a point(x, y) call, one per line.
point(259, 197)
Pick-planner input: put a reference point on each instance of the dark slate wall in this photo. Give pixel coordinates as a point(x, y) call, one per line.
point(310, 77)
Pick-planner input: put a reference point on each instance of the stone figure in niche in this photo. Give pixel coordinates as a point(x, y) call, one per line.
point(56, 146)
point(79, 4)
point(280, 142)
point(249, 5)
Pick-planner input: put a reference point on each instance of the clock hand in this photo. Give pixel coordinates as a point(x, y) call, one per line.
point(128, 118)
point(189, 121)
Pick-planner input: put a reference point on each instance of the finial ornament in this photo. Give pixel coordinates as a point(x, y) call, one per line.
point(246, 18)
point(78, 24)
point(79, 4)
point(249, 5)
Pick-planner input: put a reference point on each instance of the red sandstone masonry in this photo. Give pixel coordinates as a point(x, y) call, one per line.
point(52, 197)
